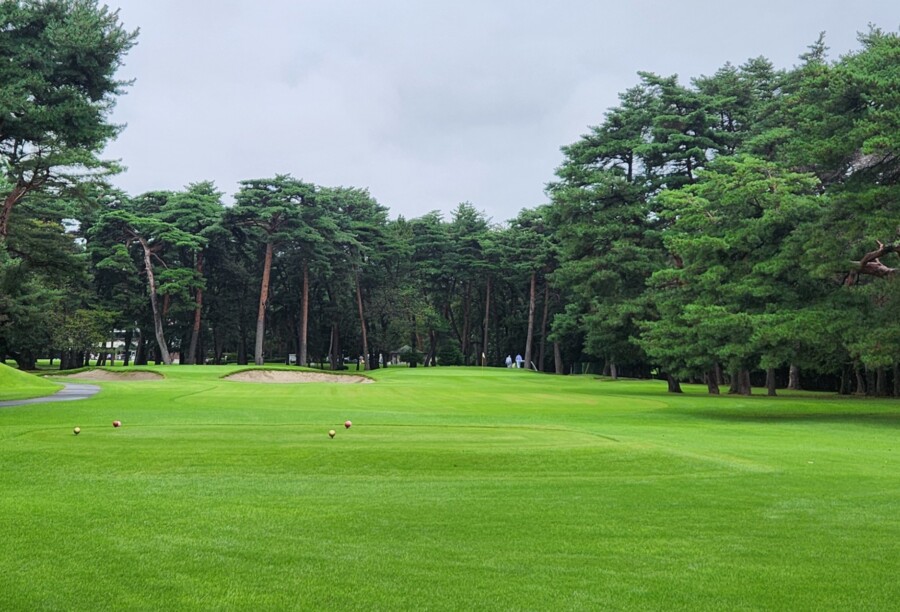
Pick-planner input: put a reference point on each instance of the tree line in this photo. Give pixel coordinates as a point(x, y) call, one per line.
point(736, 230)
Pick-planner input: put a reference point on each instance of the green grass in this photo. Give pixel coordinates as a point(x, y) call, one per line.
point(455, 489)
point(16, 385)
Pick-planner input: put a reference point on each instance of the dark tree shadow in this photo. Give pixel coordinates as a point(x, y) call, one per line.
point(886, 418)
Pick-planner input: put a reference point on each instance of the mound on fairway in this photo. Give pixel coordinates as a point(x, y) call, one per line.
point(15, 384)
point(283, 376)
point(107, 375)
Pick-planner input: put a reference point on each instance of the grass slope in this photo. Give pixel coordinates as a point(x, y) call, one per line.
point(16, 385)
point(454, 489)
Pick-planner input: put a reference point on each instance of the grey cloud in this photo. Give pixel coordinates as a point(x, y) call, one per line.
point(426, 104)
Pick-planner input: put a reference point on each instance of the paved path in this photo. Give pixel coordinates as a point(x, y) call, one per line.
point(71, 392)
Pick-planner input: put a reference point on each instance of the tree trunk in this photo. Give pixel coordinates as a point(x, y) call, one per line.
point(532, 300)
point(304, 318)
point(25, 360)
point(673, 384)
point(218, 347)
point(544, 322)
point(613, 370)
point(432, 349)
point(464, 339)
point(557, 359)
point(338, 349)
point(770, 382)
point(242, 357)
point(712, 382)
point(258, 357)
point(720, 380)
point(335, 354)
point(845, 380)
point(794, 378)
point(744, 383)
point(498, 354)
point(362, 322)
point(897, 380)
point(734, 387)
point(198, 308)
point(331, 346)
point(201, 349)
point(487, 319)
point(126, 350)
point(860, 382)
point(11, 200)
point(154, 304)
point(140, 351)
point(881, 382)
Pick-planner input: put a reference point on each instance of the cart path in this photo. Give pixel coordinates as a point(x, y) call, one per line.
point(70, 392)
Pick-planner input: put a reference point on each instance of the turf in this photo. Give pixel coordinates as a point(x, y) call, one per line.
point(16, 385)
point(454, 489)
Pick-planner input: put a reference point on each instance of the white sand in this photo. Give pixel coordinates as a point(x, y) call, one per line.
point(283, 376)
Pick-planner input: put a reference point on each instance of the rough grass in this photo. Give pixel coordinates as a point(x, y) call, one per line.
point(454, 489)
point(16, 385)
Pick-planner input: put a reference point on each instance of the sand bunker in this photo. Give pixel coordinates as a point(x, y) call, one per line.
point(106, 375)
point(282, 376)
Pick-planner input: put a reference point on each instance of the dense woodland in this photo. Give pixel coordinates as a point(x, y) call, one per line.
point(738, 229)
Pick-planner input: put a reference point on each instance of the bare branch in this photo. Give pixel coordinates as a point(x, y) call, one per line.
point(871, 263)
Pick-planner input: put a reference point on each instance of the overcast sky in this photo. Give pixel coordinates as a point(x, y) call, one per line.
point(427, 104)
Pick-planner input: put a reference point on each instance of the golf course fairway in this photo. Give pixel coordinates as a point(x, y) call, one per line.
point(454, 489)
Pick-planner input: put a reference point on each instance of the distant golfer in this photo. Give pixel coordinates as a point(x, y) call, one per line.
point(508, 361)
point(519, 360)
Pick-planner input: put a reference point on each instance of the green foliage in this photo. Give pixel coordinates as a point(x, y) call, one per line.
point(27, 304)
point(270, 207)
point(733, 239)
point(609, 246)
point(42, 272)
point(745, 219)
point(58, 86)
point(82, 330)
point(449, 354)
point(133, 234)
point(412, 357)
